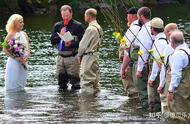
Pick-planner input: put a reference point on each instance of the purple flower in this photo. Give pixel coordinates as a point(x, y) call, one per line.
point(16, 47)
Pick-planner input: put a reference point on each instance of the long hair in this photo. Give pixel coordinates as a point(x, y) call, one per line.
point(12, 21)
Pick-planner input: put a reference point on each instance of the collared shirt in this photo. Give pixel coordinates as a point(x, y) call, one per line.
point(74, 27)
point(91, 40)
point(167, 52)
point(131, 33)
point(179, 60)
point(158, 48)
point(145, 40)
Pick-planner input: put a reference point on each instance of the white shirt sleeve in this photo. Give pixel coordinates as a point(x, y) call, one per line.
point(162, 76)
point(158, 48)
point(176, 68)
point(144, 40)
point(131, 33)
point(126, 52)
point(168, 50)
point(154, 71)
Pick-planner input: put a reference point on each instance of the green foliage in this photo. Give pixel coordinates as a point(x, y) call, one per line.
point(135, 3)
point(43, 3)
point(114, 12)
point(5, 44)
point(2, 3)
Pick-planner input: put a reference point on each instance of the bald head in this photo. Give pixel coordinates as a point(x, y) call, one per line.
point(91, 12)
point(177, 38)
point(169, 28)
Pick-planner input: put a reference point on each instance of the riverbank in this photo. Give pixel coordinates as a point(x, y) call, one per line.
point(29, 7)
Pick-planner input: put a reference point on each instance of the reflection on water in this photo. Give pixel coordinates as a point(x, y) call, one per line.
point(43, 103)
point(15, 100)
point(47, 104)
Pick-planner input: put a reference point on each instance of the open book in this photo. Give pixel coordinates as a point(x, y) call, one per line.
point(66, 37)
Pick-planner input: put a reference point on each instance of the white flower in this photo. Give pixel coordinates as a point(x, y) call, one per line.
point(15, 46)
point(17, 41)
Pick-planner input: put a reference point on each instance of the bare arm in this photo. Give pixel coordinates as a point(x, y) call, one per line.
point(6, 50)
point(27, 45)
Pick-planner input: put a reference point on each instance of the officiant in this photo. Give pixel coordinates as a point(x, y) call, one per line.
point(67, 67)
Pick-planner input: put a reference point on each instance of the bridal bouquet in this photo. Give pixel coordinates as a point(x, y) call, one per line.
point(16, 48)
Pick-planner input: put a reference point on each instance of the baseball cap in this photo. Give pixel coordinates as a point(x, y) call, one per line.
point(132, 10)
point(157, 23)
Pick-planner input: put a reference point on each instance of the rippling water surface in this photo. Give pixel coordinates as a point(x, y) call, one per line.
point(42, 102)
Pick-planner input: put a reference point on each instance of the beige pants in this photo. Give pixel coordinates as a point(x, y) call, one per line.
point(163, 99)
point(67, 70)
point(179, 104)
point(89, 74)
point(128, 83)
point(153, 95)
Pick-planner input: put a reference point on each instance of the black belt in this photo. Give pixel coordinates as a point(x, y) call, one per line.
point(65, 56)
point(89, 53)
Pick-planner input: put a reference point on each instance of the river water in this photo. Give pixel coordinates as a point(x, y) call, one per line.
point(42, 102)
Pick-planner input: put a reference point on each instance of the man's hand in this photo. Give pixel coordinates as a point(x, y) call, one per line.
point(123, 73)
point(79, 59)
point(150, 83)
point(139, 74)
point(170, 96)
point(63, 31)
point(160, 89)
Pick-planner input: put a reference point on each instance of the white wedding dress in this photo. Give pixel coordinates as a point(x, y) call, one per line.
point(15, 74)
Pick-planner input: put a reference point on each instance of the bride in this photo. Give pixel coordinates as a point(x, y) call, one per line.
point(16, 67)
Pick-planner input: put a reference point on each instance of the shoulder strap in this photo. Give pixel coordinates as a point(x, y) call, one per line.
point(97, 30)
point(138, 24)
point(162, 38)
point(167, 61)
point(187, 54)
point(134, 39)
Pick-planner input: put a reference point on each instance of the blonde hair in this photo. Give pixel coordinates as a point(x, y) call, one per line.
point(13, 19)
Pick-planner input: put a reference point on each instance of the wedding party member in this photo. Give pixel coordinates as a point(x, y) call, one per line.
point(179, 87)
point(160, 43)
point(16, 47)
point(168, 50)
point(127, 70)
point(67, 69)
point(131, 17)
point(88, 53)
point(145, 40)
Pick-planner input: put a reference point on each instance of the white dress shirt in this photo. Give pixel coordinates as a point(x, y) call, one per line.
point(131, 33)
point(145, 40)
point(167, 52)
point(158, 48)
point(179, 60)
